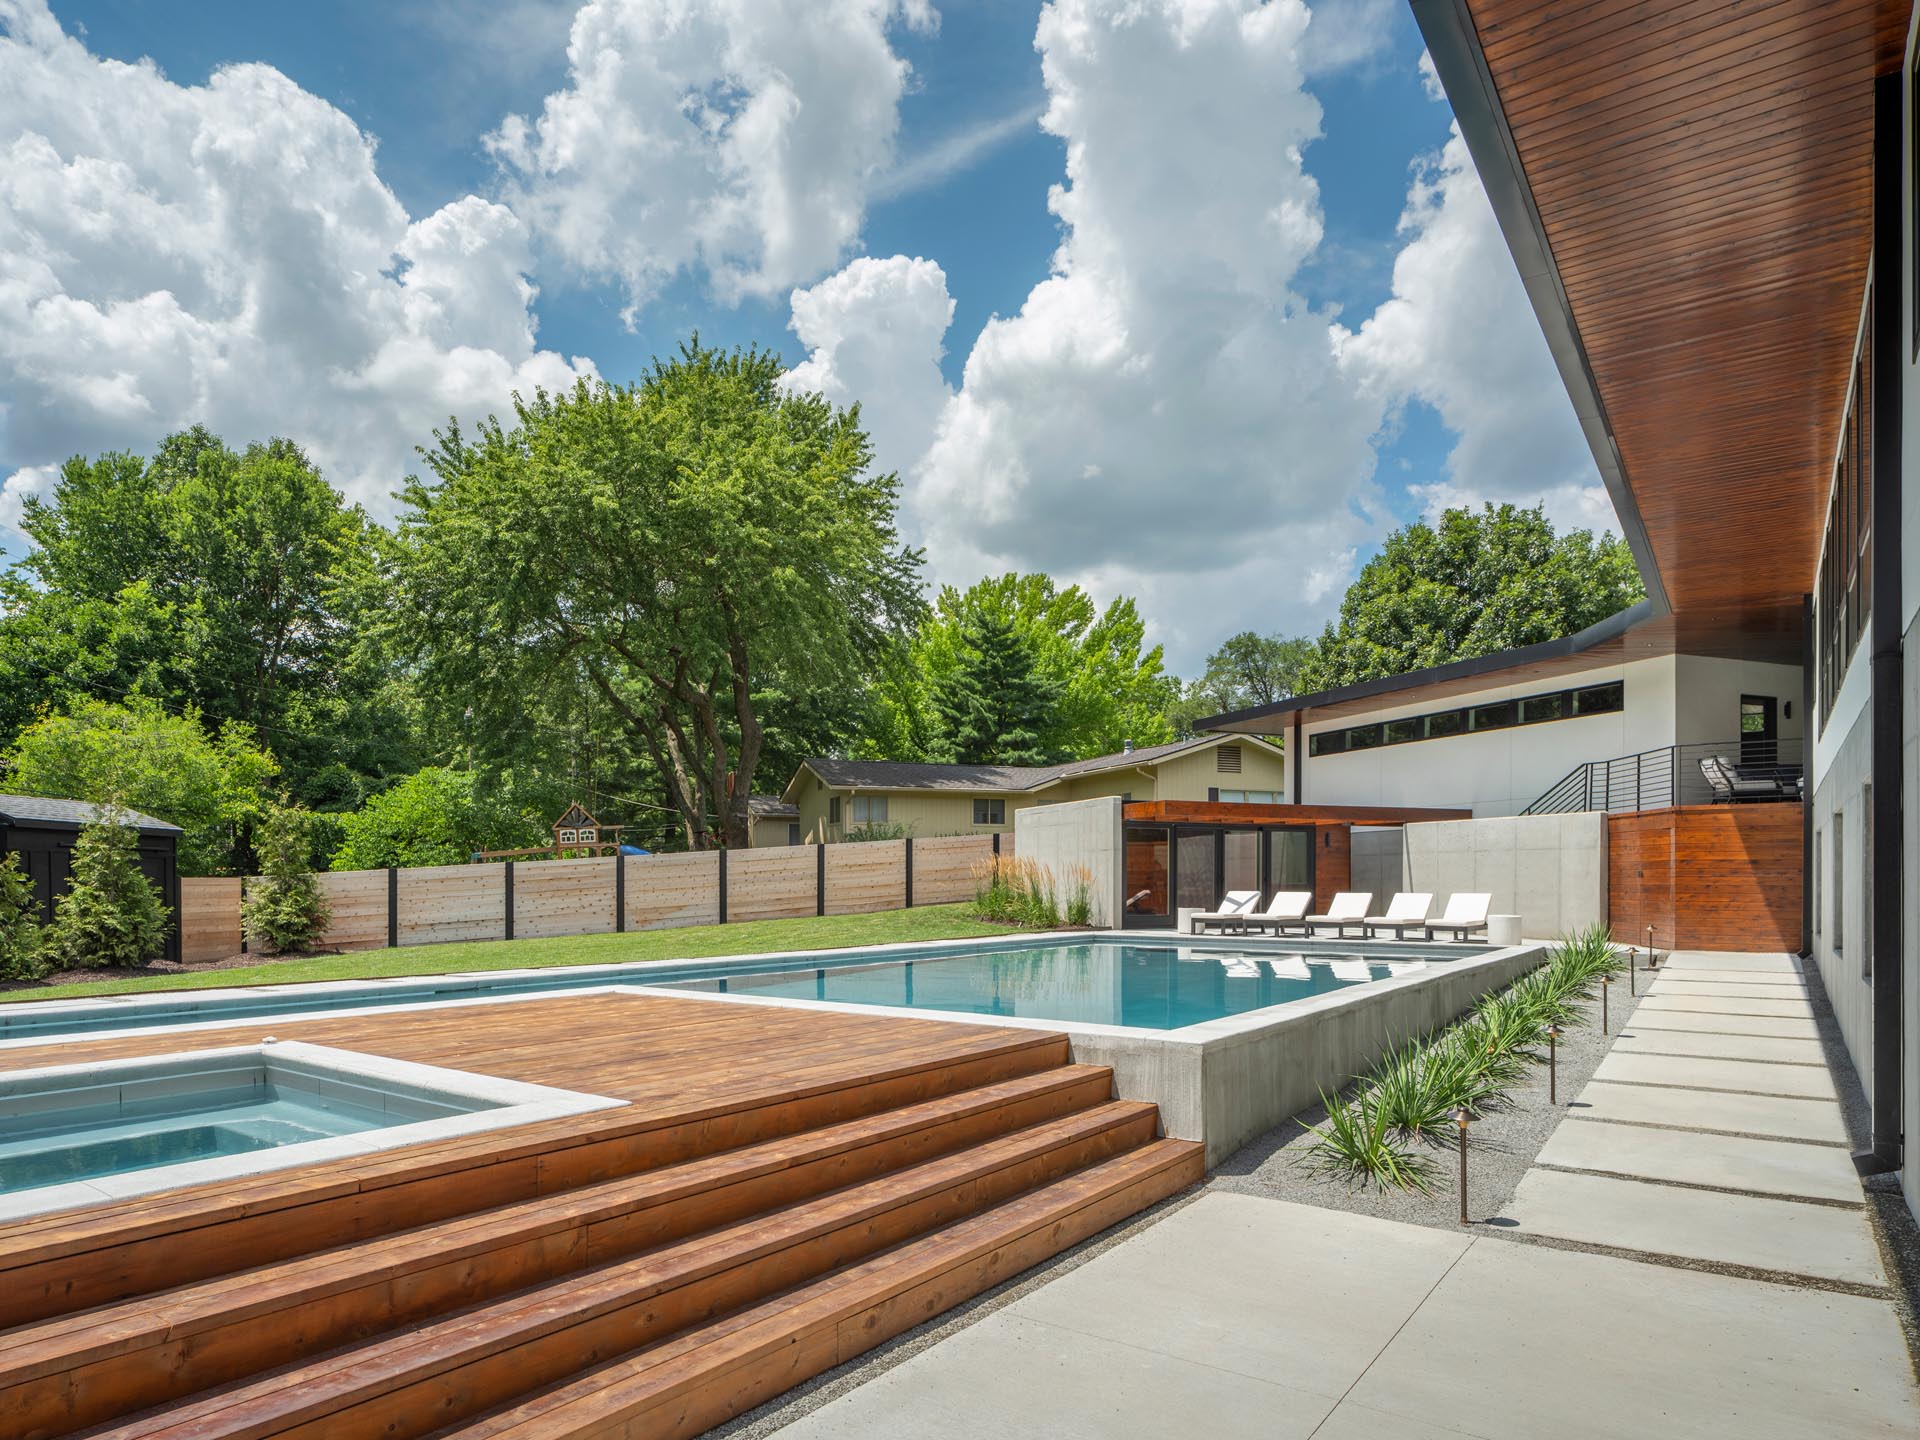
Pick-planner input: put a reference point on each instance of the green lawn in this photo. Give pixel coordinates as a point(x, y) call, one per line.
point(932, 922)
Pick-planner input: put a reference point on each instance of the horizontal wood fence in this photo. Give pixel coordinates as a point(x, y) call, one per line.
point(523, 899)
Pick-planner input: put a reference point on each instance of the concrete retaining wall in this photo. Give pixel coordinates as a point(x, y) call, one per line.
point(1550, 870)
point(1079, 835)
point(1379, 862)
point(1228, 1081)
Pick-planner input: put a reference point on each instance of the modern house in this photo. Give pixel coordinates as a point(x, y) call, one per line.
point(835, 797)
point(1712, 208)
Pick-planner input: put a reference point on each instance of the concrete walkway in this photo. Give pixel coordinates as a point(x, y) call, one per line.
point(1700, 1265)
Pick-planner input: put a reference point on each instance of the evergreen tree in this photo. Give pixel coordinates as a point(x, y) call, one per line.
point(22, 954)
point(285, 909)
point(995, 705)
point(111, 913)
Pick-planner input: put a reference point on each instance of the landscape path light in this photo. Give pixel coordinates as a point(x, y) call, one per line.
point(1553, 1064)
point(1606, 984)
point(1461, 1119)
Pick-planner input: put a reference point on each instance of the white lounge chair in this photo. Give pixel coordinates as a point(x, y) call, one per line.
point(1232, 914)
point(1406, 911)
point(1349, 909)
point(1286, 911)
point(1465, 914)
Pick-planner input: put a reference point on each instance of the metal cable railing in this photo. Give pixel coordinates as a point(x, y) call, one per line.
point(1741, 771)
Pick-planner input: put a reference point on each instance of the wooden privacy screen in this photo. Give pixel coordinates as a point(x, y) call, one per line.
point(1707, 877)
point(580, 897)
point(1333, 866)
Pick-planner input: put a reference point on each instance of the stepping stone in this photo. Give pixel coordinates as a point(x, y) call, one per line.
point(1750, 1077)
point(1692, 989)
point(1635, 1041)
point(1778, 964)
point(1648, 1018)
point(1728, 1004)
point(1727, 1162)
point(1727, 977)
point(1783, 1236)
point(1811, 1120)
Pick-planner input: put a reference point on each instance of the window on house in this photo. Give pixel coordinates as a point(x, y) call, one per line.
point(833, 811)
point(1866, 884)
point(1838, 887)
point(793, 832)
point(1399, 732)
point(1819, 890)
point(869, 809)
point(1495, 717)
point(1327, 742)
point(989, 812)
point(1843, 588)
point(1227, 760)
point(1536, 708)
point(1363, 737)
point(1230, 797)
point(1445, 723)
point(1600, 699)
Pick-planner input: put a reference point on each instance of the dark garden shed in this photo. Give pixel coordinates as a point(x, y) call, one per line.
point(42, 832)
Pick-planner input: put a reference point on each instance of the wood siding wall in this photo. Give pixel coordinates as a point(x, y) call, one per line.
point(578, 897)
point(1332, 864)
point(1707, 877)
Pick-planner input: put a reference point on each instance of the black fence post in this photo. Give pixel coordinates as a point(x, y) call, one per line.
point(509, 900)
point(723, 885)
point(908, 842)
point(996, 842)
point(820, 879)
point(619, 891)
point(393, 906)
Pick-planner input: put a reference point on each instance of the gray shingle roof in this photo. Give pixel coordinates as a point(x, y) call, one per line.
point(900, 775)
point(40, 809)
point(771, 807)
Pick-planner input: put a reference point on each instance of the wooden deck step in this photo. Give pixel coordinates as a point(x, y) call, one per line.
point(57, 1264)
point(459, 1366)
point(61, 1375)
point(710, 1374)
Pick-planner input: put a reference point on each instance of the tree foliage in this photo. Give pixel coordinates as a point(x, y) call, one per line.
point(22, 948)
point(1248, 669)
point(1473, 584)
point(112, 914)
point(688, 546)
point(993, 703)
point(235, 583)
point(212, 786)
point(1102, 684)
point(285, 910)
point(435, 816)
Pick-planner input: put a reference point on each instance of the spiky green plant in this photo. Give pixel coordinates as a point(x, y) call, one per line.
point(1357, 1141)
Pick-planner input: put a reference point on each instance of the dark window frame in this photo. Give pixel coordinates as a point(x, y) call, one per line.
point(989, 804)
point(1578, 702)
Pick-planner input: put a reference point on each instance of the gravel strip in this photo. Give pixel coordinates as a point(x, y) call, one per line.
point(1501, 1145)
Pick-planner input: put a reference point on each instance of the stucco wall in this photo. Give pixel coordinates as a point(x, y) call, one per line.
point(1839, 810)
point(1500, 772)
point(1550, 870)
point(1079, 834)
point(1707, 694)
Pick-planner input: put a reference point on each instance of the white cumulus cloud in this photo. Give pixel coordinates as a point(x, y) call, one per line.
point(1460, 334)
point(227, 254)
point(736, 138)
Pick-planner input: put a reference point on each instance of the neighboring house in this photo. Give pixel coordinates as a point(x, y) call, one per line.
point(43, 832)
point(772, 821)
point(833, 797)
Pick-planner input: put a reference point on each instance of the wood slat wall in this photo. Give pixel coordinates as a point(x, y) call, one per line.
point(578, 897)
point(1707, 877)
point(565, 897)
point(209, 918)
point(777, 884)
point(359, 900)
point(870, 875)
point(1332, 864)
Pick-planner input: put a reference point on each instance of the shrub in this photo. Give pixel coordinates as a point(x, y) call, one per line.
point(285, 910)
point(875, 830)
point(1357, 1141)
point(1013, 891)
point(434, 816)
point(22, 945)
point(111, 913)
point(1080, 902)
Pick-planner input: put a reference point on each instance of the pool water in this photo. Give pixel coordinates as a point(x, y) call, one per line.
point(1143, 985)
point(99, 1141)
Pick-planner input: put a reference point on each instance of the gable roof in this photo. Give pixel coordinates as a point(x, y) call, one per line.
point(43, 810)
point(902, 775)
point(771, 807)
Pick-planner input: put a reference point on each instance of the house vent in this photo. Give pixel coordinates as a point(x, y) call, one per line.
point(1227, 758)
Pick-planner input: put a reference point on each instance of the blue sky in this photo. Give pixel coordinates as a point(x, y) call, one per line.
point(1347, 439)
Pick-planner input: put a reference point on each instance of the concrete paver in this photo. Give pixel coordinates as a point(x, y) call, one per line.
point(1690, 1071)
point(1814, 1120)
point(1794, 1026)
point(1774, 1167)
point(1770, 1048)
point(1694, 989)
point(1521, 1342)
point(1728, 1005)
point(1687, 961)
point(1821, 1241)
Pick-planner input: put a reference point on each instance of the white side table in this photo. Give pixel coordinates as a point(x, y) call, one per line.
point(1503, 930)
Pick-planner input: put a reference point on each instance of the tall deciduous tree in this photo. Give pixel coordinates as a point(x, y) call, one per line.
point(1248, 669)
point(1473, 584)
point(689, 545)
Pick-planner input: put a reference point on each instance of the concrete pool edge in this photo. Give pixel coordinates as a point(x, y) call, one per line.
point(508, 1103)
point(1226, 1081)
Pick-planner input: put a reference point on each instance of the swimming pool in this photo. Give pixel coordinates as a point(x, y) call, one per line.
point(1149, 984)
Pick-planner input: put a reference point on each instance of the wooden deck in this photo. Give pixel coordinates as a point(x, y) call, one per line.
point(784, 1190)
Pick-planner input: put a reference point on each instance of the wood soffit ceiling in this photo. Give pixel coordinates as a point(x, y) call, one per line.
point(1703, 175)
